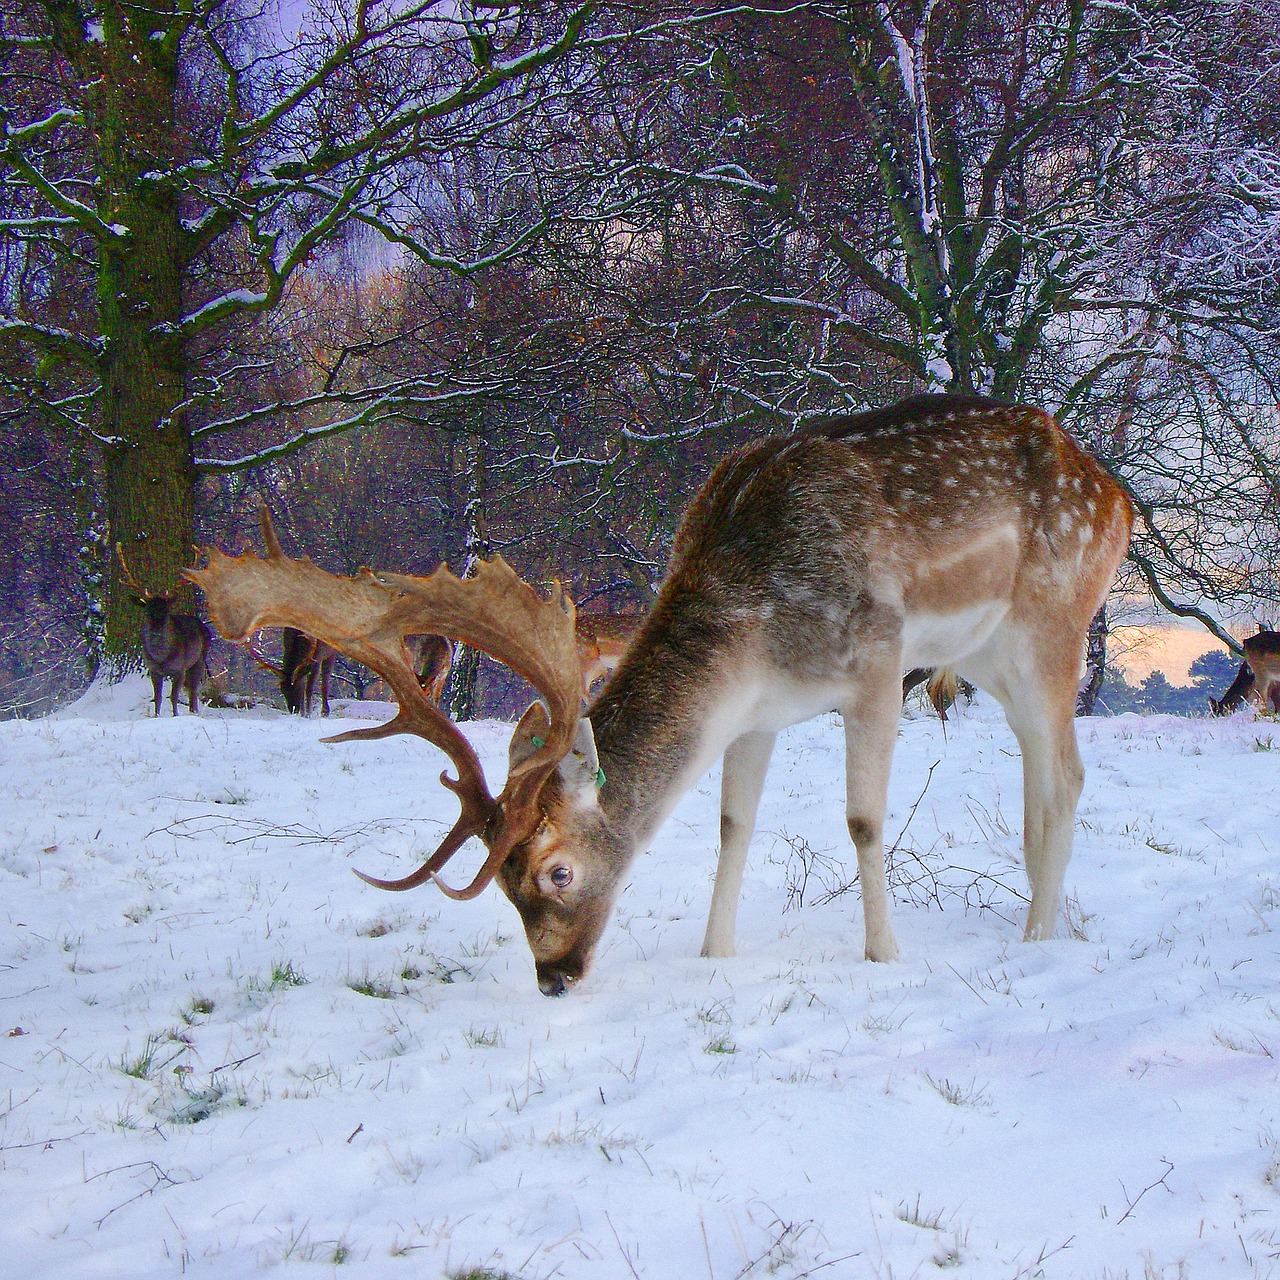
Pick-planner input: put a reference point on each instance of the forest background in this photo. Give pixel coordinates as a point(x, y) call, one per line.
point(443, 280)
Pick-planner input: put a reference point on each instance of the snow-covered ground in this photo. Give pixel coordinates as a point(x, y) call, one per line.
point(222, 1055)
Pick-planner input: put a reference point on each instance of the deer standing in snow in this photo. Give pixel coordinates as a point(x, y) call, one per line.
point(173, 644)
point(808, 574)
point(1258, 679)
point(303, 660)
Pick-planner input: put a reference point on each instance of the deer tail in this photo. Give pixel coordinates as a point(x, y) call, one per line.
point(942, 690)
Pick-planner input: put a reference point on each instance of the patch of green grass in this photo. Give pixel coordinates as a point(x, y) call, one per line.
point(282, 975)
point(199, 1104)
point(376, 988)
point(197, 1007)
point(143, 1065)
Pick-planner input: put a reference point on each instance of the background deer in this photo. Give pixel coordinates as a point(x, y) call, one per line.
point(303, 656)
point(303, 659)
point(1258, 679)
point(808, 574)
point(602, 640)
point(173, 644)
point(435, 660)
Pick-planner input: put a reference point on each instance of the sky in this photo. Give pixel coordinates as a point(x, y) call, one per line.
point(224, 1056)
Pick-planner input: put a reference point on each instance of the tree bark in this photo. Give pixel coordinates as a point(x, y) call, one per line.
point(461, 696)
point(1095, 662)
point(148, 476)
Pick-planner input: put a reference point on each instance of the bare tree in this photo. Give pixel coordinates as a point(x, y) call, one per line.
point(182, 166)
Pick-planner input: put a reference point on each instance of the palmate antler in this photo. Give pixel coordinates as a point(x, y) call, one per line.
point(367, 618)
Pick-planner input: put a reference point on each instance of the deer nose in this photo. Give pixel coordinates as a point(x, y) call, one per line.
point(555, 982)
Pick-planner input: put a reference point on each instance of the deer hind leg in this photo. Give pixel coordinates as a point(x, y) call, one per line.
point(1039, 703)
point(1266, 690)
point(193, 684)
point(870, 730)
point(746, 761)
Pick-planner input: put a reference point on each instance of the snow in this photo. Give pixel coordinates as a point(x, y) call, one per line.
point(227, 1057)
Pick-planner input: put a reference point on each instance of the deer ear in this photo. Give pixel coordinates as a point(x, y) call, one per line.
point(530, 734)
point(580, 772)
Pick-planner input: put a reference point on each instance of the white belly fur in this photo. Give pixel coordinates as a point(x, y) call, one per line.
point(941, 639)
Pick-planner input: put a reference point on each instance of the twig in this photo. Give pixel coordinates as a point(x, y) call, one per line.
point(161, 1179)
point(1159, 1182)
point(893, 848)
point(45, 1142)
point(822, 1266)
point(966, 982)
point(626, 1257)
point(239, 1062)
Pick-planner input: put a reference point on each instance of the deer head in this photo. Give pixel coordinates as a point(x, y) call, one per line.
point(367, 617)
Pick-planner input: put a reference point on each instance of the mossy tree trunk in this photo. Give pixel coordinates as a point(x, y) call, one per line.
point(131, 70)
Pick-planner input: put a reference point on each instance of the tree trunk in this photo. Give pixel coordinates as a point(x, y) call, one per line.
point(461, 694)
point(1095, 662)
point(149, 479)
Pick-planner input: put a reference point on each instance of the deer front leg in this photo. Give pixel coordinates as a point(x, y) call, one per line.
point(746, 761)
point(870, 729)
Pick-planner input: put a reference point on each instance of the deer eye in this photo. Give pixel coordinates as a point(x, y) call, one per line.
point(561, 876)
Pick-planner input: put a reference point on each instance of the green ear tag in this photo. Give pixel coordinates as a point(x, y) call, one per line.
point(599, 779)
point(537, 741)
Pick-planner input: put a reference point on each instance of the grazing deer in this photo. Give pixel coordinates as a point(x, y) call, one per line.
point(173, 644)
point(808, 574)
point(602, 640)
point(303, 658)
point(1258, 679)
point(435, 660)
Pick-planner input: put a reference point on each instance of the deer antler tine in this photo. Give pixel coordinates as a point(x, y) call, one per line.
point(130, 580)
point(260, 660)
point(459, 834)
point(483, 877)
point(269, 539)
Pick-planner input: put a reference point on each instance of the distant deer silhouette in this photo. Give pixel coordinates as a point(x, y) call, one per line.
point(174, 644)
point(1258, 679)
point(303, 658)
point(435, 660)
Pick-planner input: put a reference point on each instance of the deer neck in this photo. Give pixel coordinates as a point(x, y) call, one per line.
point(669, 711)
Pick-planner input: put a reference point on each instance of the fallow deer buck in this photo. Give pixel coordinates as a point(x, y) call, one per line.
point(807, 575)
point(1258, 679)
point(174, 645)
